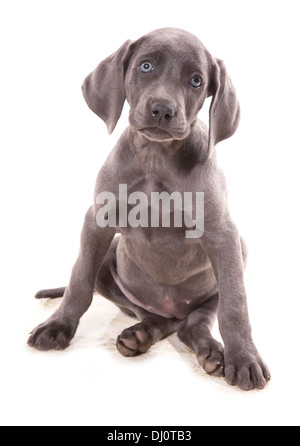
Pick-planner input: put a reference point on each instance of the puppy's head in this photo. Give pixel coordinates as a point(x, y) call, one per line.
point(166, 76)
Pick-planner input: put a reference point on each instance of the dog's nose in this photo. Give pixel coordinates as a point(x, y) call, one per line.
point(162, 110)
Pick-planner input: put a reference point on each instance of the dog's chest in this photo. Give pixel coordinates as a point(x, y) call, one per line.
point(153, 183)
point(156, 172)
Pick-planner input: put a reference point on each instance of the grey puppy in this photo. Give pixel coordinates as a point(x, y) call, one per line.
point(170, 282)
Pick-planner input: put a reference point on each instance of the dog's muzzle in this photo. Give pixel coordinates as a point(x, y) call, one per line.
point(163, 121)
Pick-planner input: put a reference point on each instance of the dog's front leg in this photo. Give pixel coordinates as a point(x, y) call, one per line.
point(59, 329)
point(243, 364)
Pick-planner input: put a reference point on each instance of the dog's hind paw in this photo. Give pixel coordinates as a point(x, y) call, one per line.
point(211, 357)
point(134, 340)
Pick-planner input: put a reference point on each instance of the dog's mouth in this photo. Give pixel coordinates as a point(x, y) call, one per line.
point(156, 134)
point(159, 134)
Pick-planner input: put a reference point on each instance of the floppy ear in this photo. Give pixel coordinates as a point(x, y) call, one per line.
point(224, 113)
point(104, 89)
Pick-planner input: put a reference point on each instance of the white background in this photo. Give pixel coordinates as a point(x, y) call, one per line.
point(52, 147)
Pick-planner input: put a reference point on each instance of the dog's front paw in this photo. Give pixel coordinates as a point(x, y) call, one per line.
point(52, 335)
point(245, 368)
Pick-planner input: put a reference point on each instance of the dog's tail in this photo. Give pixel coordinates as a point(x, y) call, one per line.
point(50, 294)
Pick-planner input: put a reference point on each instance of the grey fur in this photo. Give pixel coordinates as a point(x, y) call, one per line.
point(169, 282)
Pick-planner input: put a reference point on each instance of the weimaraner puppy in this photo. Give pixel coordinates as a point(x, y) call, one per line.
point(170, 281)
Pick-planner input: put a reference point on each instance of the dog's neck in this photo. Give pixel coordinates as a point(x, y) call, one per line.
point(154, 155)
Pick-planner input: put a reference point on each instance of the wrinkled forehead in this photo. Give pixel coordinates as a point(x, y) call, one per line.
point(172, 44)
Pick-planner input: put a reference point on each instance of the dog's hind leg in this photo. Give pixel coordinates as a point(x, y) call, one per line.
point(195, 332)
point(136, 339)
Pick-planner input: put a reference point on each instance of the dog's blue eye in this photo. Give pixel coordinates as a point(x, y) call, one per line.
point(146, 67)
point(196, 81)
